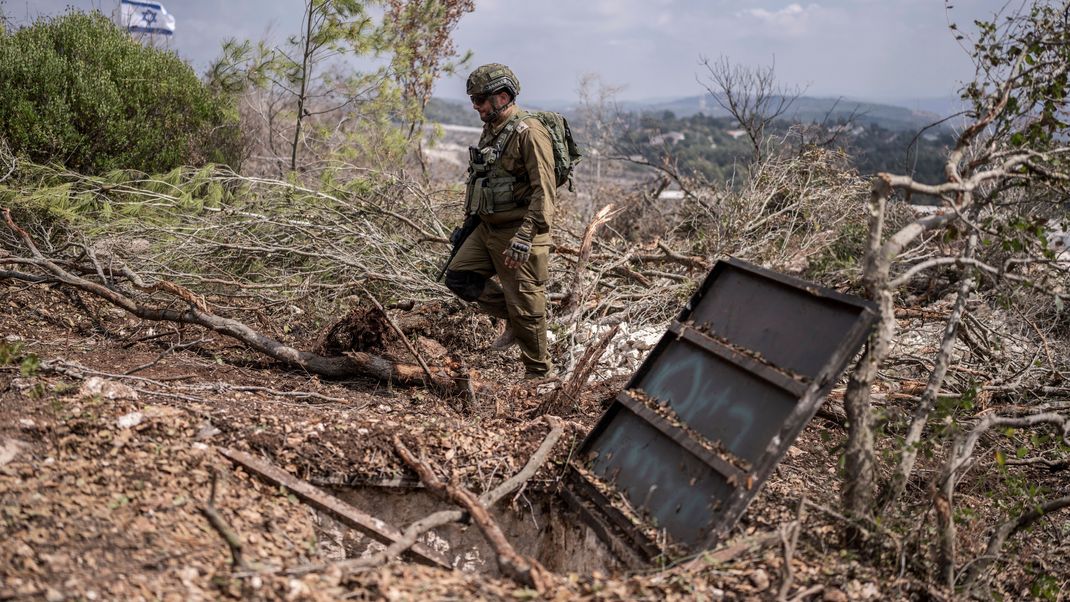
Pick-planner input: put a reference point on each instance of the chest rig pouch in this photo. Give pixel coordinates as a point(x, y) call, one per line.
point(490, 186)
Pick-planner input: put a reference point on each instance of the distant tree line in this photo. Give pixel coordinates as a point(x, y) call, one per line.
point(713, 147)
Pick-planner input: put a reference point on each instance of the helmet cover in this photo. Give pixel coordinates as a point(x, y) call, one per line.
point(492, 78)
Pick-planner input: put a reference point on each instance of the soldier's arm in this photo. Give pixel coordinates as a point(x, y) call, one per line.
point(538, 155)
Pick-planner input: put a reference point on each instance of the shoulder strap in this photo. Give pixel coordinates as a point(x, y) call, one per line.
point(507, 132)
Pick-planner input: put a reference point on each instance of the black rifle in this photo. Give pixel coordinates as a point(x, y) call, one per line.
point(457, 238)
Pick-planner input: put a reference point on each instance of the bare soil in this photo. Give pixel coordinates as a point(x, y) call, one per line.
point(100, 491)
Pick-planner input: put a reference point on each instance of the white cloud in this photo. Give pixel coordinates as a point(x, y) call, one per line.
point(793, 19)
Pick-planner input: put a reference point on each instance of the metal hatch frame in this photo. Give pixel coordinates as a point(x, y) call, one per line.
point(743, 480)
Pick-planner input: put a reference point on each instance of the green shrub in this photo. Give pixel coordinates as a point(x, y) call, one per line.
point(79, 91)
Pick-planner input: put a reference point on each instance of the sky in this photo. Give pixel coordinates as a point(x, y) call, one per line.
point(879, 50)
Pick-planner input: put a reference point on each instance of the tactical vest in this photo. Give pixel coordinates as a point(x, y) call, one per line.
point(490, 187)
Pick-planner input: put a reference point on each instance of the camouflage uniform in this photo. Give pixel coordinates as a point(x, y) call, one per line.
point(512, 189)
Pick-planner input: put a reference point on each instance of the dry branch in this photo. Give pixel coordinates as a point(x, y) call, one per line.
point(733, 550)
point(443, 517)
point(345, 513)
point(1004, 532)
point(525, 571)
point(353, 363)
point(401, 335)
point(208, 510)
point(570, 390)
point(571, 305)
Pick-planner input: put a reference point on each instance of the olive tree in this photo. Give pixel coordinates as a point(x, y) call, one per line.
point(1006, 181)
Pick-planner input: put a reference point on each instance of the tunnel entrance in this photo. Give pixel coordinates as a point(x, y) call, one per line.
point(538, 524)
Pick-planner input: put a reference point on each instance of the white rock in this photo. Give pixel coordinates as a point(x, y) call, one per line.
point(10, 449)
point(207, 431)
point(96, 386)
point(130, 420)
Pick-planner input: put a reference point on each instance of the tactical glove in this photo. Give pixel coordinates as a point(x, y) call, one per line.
point(518, 252)
point(455, 237)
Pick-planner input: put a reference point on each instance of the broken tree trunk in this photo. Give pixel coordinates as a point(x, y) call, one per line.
point(570, 390)
point(572, 303)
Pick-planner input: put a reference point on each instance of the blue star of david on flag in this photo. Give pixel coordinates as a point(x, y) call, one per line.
point(146, 17)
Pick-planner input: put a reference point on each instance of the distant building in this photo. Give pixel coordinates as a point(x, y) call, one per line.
point(735, 134)
point(667, 138)
point(847, 128)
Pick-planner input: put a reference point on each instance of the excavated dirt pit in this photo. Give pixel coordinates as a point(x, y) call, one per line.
point(540, 526)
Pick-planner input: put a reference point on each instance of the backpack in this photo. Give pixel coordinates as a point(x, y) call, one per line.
point(566, 152)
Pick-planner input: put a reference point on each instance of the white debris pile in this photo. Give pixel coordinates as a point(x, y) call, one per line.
point(1059, 241)
point(624, 353)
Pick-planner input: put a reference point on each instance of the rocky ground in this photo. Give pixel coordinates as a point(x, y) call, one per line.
point(108, 439)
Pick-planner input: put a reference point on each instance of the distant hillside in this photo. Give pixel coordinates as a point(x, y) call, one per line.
point(453, 112)
point(704, 141)
point(807, 109)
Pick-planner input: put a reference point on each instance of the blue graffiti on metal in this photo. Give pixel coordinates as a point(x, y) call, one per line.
point(687, 385)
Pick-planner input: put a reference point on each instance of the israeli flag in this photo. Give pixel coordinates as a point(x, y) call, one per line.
point(146, 17)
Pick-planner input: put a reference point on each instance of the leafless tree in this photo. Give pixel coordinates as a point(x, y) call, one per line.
point(1005, 179)
point(752, 96)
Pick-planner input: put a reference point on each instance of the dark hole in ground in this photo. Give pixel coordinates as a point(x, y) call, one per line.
point(539, 525)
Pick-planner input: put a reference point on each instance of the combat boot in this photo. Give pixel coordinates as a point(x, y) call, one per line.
point(544, 376)
point(505, 340)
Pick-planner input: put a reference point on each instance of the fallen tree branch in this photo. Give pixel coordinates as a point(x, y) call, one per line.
point(350, 364)
point(1005, 532)
point(401, 335)
point(570, 390)
point(730, 552)
point(76, 370)
point(217, 522)
point(343, 512)
point(525, 571)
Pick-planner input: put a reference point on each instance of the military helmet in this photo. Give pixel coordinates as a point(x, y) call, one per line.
point(492, 78)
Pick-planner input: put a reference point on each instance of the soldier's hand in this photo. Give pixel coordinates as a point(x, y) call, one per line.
point(455, 237)
point(517, 253)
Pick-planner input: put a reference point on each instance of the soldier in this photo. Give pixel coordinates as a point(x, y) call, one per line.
point(511, 192)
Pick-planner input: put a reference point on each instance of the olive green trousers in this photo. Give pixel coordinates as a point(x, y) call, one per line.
point(520, 297)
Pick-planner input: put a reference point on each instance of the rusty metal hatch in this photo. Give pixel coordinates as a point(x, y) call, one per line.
point(705, 419)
